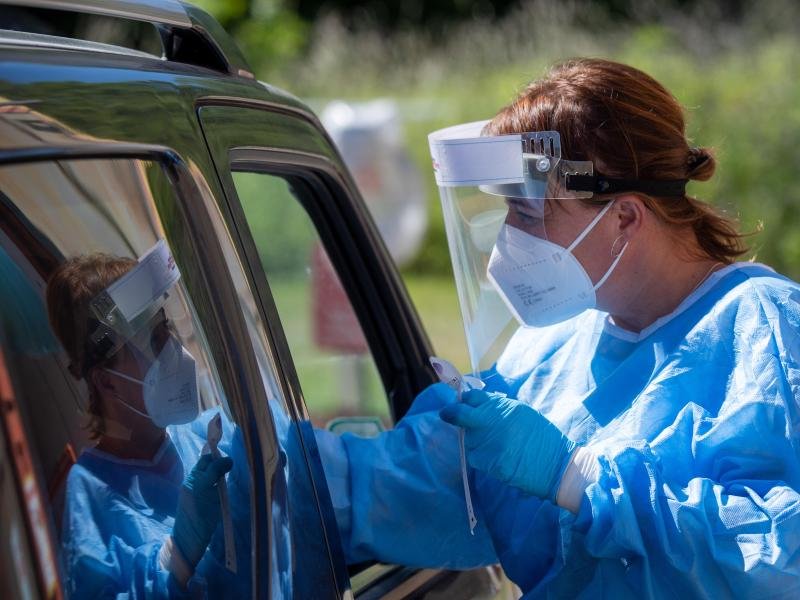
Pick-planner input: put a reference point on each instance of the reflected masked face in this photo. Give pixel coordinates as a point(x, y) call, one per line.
point(165, 374)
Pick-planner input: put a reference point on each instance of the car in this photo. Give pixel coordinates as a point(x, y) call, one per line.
point(123, 123)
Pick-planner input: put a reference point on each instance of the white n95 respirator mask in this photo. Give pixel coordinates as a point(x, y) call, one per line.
point(543, 283)
point(169, 386)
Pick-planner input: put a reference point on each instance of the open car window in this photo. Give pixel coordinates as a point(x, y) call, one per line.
point(341, 384)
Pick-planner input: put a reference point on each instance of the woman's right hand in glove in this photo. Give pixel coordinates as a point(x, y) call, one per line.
point(198, 512)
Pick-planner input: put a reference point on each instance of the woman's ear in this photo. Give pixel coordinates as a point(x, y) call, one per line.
point(630, 212)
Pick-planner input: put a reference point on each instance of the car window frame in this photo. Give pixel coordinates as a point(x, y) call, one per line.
point(397, 341)
point(287, 376)
point(312, 199)
point(321, 175)
point(391, 356)
point(334, 202)
point(240, 380)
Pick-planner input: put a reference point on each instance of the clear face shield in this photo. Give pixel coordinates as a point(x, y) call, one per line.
point(498, 194)
point(484, 183)
point(129, 320)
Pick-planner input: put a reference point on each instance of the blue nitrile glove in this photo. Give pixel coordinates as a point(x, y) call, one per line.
point(198, 511)
point(511, 441)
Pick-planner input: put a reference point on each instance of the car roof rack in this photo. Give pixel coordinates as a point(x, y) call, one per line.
point(188, 34)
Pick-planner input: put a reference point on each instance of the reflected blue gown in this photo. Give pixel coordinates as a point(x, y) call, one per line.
point(118, 512)
point(696, 426)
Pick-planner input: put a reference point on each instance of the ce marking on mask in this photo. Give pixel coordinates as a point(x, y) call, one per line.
point(529, 295)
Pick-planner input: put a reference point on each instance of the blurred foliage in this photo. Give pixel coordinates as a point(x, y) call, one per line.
point(388, 16)
point(281, 228)
point(432, 15)
point(733, 65)
point(267, 30)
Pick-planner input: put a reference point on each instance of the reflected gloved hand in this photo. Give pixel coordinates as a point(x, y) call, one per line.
point(511, 441)
point(198, 511)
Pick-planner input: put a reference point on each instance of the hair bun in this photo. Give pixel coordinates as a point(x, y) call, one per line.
point(700, 164)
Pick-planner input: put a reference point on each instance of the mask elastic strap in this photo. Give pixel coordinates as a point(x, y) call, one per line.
point(128, 377)
point(590, 226)
point(119, 398)
point(136, 410)
point(611, 268)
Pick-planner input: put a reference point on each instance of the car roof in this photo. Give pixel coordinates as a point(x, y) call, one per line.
point(170, 17)
point(107, 92)
point(157, 11)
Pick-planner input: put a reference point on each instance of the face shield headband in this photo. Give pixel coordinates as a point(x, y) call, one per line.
point(526, 165)
point(129, 305)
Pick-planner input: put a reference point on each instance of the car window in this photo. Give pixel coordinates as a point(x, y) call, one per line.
point(302, 549)
point(288, 206)
point(119, 387)
point(338, 375)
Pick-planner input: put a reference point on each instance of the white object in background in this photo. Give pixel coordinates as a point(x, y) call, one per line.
point(453, 378)
point(212, 439)
point(362, 426)
point(369, 137)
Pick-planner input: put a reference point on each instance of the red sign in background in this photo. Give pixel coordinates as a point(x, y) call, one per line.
point(335, 326)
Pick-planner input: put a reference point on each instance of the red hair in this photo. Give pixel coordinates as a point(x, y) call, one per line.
point(631, 127)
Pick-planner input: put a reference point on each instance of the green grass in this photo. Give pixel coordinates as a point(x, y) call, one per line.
point(334, 384)
point(337, 385)
point(437, 304)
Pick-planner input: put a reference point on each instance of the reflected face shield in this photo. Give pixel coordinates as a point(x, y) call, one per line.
point(130, 311)
point(486, 182)
point(131, 314)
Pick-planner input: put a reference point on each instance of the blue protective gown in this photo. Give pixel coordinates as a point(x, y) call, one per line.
point(118, 512)
point(695, 424)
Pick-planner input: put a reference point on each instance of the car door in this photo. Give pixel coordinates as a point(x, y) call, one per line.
point(75, 198)
point(349, 342)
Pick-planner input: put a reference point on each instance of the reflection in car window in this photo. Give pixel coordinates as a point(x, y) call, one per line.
point(340, 381)
point(120, 391)
point(300, 555)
